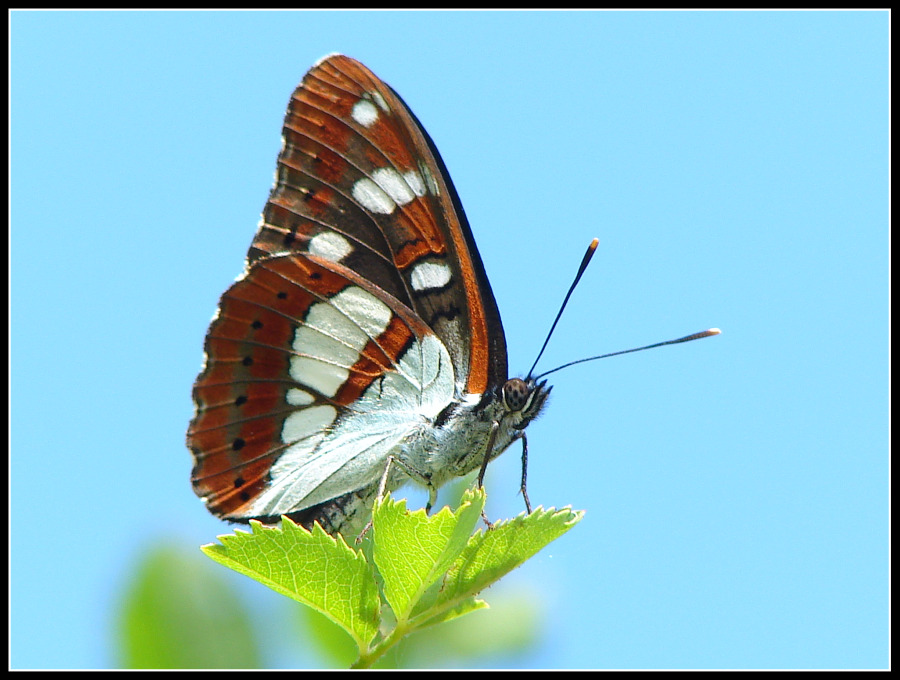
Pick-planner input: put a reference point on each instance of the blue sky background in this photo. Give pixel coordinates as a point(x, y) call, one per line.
point(734, 167)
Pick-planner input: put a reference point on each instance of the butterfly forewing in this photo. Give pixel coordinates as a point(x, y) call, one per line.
point(359, 182)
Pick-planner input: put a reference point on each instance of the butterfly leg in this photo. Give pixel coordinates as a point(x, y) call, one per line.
point(525, 472)
point(382, 486)
point(413, 474)
point(492, 437)
point(432, 499)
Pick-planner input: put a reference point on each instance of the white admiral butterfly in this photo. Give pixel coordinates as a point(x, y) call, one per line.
point(363, 338)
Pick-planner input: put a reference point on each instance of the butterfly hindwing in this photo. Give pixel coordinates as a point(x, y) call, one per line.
point(313, 374)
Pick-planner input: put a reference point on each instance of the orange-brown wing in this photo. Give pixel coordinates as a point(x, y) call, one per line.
point(359, 182)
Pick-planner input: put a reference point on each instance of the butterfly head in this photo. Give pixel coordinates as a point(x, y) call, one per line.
point(524, 399)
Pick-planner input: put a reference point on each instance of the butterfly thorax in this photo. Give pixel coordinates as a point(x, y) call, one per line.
point(457, 441)
point(438, 450)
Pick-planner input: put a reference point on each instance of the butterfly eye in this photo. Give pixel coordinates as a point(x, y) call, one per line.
point(516, 394)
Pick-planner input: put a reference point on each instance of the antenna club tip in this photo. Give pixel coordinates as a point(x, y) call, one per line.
point(594, 244)
point(713, 331)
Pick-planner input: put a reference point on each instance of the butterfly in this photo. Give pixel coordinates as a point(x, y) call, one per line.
point(362, 346)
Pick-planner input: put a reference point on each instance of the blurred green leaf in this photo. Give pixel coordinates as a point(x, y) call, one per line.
point(330, 642)
point(178, 612)
point(510, 627)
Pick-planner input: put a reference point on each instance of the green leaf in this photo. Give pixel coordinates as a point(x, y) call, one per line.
point(314, 568)
point(178, 612)
point(430, 570)
point(448, 614)
point(413, 550)
point(491, 554)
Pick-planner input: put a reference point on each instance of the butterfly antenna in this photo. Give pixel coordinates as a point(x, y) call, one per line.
point(584, 263)
point(686, 338)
